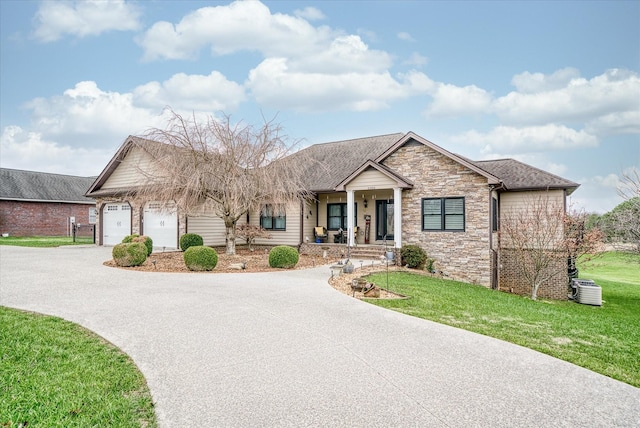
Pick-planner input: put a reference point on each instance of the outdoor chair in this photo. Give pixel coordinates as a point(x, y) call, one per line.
point(320, 234)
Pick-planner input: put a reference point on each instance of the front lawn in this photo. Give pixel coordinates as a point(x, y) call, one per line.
point(43, 241)
point(54, 373)
point(603, 339)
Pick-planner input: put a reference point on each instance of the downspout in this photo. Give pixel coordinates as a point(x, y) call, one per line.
point(495, 277)
point(302, 211)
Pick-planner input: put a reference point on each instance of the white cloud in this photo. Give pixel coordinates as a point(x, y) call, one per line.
point(416, 60)
point(84, 18)
point(241, 25)
point(403, 35)
point(511, 141)
point(531, 83)
point(27, 150)
point(565, 97)
point(86, 115)
point(451, 100)
point(273, 83)
point(191, 92)
point(309, 13)
point(597, 193)
point(626, 122)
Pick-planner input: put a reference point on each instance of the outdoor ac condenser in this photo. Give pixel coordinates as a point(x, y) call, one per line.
point(588, 292)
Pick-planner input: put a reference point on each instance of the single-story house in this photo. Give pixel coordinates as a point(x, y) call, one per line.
point(377, 192)
point(43, 204)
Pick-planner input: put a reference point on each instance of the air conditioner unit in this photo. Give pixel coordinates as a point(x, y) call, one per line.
point(589, 293)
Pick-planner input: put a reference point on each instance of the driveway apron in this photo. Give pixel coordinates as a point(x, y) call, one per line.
point(286, 349)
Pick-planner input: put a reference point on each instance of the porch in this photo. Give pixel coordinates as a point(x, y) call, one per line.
point(343, 251)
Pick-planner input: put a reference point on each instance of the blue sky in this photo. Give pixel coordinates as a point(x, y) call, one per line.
point(553, 84)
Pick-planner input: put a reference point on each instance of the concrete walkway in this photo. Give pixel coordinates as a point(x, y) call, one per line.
point(285, 349)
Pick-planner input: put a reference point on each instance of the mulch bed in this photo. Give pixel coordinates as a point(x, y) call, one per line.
point(258, 261)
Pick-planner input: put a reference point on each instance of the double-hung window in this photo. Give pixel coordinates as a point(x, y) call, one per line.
point(272, 220)
point(444, 214)
point(337, 216)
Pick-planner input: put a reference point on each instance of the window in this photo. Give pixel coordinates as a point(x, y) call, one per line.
point(443, 214)
point(494, 212)
point(337, 216)
point(271, 220)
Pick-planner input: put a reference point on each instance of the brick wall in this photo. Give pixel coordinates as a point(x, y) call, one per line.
point(512, 281)
point(18, 218)
point(464, 256)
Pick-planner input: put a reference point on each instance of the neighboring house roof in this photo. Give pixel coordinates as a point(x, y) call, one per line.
point(516, 175)
point(31, 186)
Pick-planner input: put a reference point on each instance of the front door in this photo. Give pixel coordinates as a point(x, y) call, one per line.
point(384, 220)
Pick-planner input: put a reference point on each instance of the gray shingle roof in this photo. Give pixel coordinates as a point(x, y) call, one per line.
point(516, 175)
point(41, 186)
point(331, 163)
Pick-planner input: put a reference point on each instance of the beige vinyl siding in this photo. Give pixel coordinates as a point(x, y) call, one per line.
point(371, 179)
point(517, 203)
point(290, 236)
point(211, 229)
point(131, 171)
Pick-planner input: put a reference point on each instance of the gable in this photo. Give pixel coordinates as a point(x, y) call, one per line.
point(130, 171)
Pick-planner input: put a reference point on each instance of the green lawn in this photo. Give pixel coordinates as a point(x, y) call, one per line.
point(43, 241)
point(603, 339)
point(54, 373)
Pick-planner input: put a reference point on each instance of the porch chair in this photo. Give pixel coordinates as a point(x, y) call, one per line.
point(320, 234)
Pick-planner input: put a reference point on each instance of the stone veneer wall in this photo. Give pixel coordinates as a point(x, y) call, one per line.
point(511, 280)
point(464, 256)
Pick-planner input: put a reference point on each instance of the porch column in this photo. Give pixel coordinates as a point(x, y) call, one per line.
point(350, 224)
point(397, 217)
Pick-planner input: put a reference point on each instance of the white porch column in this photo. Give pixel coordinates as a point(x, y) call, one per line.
point(350, 224)
point(397, 217)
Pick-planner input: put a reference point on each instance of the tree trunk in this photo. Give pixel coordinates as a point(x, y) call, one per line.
point(230, 236)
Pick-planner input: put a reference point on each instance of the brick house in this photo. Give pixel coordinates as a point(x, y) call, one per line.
point(44, 204)
point(374, 193)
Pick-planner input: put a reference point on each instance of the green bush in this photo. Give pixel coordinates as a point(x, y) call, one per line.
point(190, 240)
point(147, 241)
point(129, 238)
point(413, 256)
point(200, 258)
point(129, 254)
point(283, 257)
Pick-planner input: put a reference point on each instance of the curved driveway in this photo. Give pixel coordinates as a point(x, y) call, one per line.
point(285, 349)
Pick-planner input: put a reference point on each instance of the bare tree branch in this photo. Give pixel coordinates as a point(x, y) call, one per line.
point(228, 168)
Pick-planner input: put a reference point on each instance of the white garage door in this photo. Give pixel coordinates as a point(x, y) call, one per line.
point(160, 223)
point(116, 223)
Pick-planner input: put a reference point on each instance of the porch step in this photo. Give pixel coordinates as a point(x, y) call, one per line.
point(367, 251)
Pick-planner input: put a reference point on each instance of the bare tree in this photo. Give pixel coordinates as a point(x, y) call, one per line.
point(626, 221)
point(542, 236)
point(227, 168)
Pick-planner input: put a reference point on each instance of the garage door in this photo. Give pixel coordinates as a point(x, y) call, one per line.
point(116, 222)
point(160, 223)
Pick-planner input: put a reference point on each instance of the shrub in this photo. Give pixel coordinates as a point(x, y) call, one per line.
point(129, 254)
point(283, 257)
point(413, 256)
point(147, 241)
point(129, 238)
point(190, 240)
point(199, 258)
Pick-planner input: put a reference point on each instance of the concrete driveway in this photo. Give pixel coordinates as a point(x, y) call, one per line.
point(285, 349)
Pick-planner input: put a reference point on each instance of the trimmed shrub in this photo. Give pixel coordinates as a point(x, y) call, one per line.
point(283, 257)
point(190, 240)
point(129, 254)
point(129, 238)
point(413, 256)
point(147, 241)
point(199, 258)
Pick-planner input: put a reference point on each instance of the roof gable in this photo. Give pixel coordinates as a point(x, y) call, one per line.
point(410, 136)
point(387, 172)
point(43, 187)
